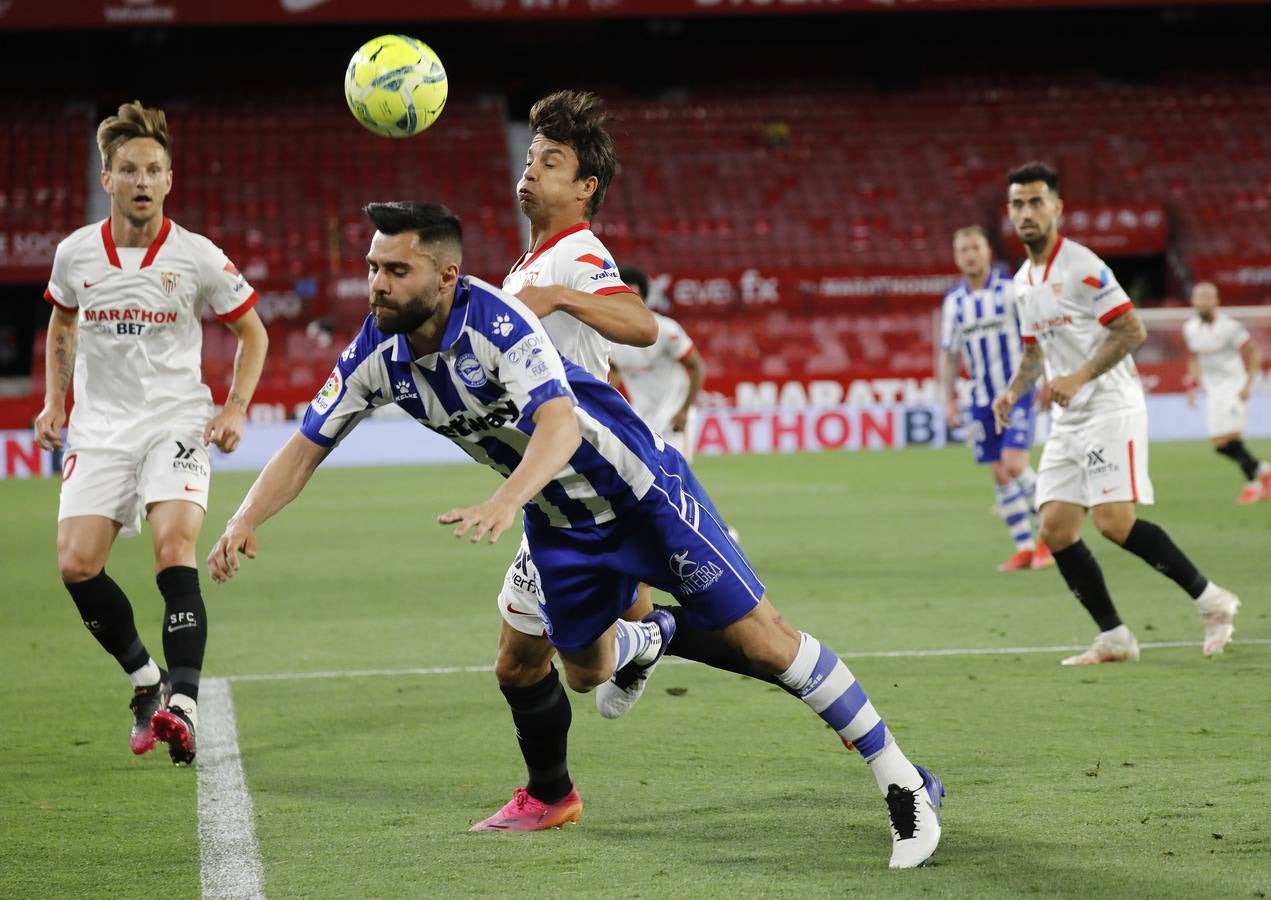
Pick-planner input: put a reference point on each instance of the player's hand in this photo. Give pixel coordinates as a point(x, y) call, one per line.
point(952, 413)
point(1190, 393)
point(493, 517)
point(1003, 403)
point(222, 562)
point(48, 426)
point(1244, 391)
point(226, 429)
point(679, 421)
point(1065, 387)
point(540, 300)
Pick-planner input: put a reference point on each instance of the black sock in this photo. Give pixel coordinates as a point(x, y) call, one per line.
point(184, 627)
point(1085, 579)
point(1237, 451)
point(710, 648)
point(1152, 545)
point(107, 614)
point(542, 715)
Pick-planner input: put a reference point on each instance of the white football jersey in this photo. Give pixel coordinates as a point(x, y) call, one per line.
point(575, 259)
point(654, 377)
point(1064, 307)
point(1217, 346)
point(139, 356)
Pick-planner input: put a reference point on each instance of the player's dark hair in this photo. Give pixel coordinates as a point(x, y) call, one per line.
point(577, 119)
point(636, 278)
point(431, 221)
point(1034, 171)
point(132, 121)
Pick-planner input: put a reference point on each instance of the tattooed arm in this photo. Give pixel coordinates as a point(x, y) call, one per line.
point(1031, 366)
point(59, 367)
point(1125, 334)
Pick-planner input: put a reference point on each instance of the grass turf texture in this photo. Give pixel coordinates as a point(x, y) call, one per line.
point(1147, 779)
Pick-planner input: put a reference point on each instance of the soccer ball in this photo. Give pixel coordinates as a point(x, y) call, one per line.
point(395, 85)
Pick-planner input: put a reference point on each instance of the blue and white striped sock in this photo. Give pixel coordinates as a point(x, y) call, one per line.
point(638, 641)
point(821, 681)
point(1027, 481)
point(1012, 506)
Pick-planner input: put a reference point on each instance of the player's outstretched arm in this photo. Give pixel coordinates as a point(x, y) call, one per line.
point(550, 447)
point(1191, 378)
point(278, 484)
point(1125, 334)
point(622, 317)
point(226, 429)
point(1031, 365)
point(59, 366)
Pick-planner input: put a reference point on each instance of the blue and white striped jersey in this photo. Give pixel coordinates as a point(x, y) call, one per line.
point(496, 367)
point(984, 324)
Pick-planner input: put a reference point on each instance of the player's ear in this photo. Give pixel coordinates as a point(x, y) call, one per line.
point(105, 180)
point(587, 187)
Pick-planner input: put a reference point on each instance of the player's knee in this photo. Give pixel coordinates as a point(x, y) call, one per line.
point(1056, 535)
point(1114, 530)
point(75, 566)
point(515, 667)
point(173, 553)
point(582, 680)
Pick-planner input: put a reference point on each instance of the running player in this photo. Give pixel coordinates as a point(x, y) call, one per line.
point(606, 502)
point(979, 325)
point(127, 297)
point(1080, 327)
point(1224, 360)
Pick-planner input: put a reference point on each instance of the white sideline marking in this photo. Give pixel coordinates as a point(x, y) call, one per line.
point(229, 855)
point(867, 654)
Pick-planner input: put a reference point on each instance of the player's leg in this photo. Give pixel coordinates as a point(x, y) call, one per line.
point(98, 504)
point(174, 527)
point(1120, 480)
point(1256, 472)
point(1063, 496)
point(819, 678)
point(540, 709)
point(1010, 503)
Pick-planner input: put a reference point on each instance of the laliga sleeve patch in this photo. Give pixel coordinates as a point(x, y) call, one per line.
point(329, 394)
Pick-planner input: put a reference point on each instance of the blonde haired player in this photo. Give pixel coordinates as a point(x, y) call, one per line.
point(127, 295)
point(1223, 359)
point(1079, 325)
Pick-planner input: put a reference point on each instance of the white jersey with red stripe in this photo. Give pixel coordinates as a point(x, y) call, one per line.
point(1217, 346)
point(139, 354)
point(575, 259)
point(654, 377)
point(1064, 308)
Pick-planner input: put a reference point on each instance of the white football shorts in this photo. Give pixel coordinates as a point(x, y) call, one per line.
point(119, 483)
point(521, 594)
point(1226, 412)
point(1102, 462)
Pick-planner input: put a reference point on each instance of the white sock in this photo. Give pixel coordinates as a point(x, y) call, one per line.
point(1027, 482)
point(824, 683)
point(146, 676)
point(1211, 592)
point(188, 706)
point(636, 642)
point(1012, 507)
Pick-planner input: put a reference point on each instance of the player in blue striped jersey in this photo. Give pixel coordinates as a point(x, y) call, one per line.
point(606, 502)
point(979, 326)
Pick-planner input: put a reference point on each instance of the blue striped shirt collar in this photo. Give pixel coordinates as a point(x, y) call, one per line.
point(454, 324)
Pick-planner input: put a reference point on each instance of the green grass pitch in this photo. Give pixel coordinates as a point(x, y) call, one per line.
point(1147, 780)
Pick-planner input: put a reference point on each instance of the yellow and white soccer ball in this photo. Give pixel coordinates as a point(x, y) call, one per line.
point(395, 85)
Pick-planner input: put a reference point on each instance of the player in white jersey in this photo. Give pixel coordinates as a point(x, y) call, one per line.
point(662, 380)
point(1224, 360)
point(1079, 326)
point(127, 296)
point(570, 281)
point(979, 326)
